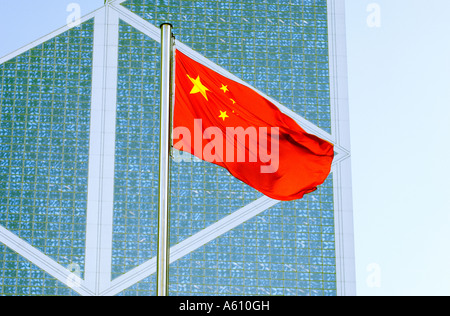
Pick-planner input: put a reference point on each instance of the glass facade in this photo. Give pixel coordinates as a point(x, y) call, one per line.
point(44, 148)
point(278, 46)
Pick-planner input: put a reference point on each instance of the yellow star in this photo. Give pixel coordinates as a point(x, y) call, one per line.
point(234, 102)
point(198, 87)
point(223, 115)
point(224, 88)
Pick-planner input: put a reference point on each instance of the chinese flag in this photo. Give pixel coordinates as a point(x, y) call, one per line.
point(231, 125)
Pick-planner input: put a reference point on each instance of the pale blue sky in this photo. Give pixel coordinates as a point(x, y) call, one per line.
point(400, 127)
point(24, 21)
point(399, 88)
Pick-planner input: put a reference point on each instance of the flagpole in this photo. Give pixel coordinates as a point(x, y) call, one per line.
point(164, 156)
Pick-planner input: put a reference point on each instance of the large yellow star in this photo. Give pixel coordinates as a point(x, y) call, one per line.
point(198, 87)
point(223, 115)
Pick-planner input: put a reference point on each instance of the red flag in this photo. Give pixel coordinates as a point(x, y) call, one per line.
point(231, 125)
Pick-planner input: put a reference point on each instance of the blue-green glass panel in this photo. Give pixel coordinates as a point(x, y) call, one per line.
point(44, 144)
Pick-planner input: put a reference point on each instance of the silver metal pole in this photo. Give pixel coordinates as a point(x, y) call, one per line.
point(164, 159)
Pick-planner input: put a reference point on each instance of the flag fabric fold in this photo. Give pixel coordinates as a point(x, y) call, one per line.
point(231, 125)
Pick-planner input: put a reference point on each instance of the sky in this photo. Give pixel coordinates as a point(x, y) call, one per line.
point(24, 21)
point(398, 55)
point(400, 128)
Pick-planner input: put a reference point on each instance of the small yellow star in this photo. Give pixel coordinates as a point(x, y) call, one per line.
point(224, 88)
point(223, 115)
point(234, 102)
point(198, 87)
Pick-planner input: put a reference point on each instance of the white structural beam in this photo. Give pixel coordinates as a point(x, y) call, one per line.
point(99, 228)
point(342, 184)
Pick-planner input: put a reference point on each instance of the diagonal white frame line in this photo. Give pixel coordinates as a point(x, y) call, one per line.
point(46, 38)
point(43, 261)
point(137, 22)
point(192, 243)
point(221, 227)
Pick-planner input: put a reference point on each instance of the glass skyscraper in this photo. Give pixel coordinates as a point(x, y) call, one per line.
point(79, 137)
